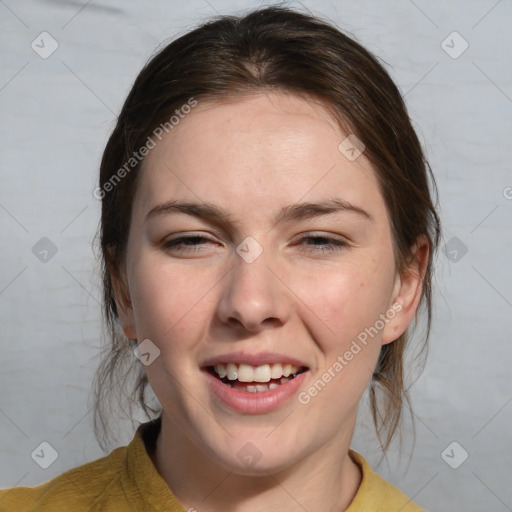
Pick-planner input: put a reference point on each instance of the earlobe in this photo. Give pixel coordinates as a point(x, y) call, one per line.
point(407, 292)
point(123, 303)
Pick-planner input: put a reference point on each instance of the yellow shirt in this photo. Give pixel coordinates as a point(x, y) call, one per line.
point(127, 480)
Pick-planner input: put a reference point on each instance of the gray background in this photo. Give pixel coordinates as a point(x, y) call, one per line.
point(56, 114)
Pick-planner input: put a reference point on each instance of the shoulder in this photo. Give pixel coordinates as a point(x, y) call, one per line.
point(83, 486)
point(126, 479)
point(377, 494)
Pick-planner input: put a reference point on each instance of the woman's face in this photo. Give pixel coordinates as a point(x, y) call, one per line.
point(258, 247)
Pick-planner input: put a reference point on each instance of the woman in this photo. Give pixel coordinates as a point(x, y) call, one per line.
point(267, 236)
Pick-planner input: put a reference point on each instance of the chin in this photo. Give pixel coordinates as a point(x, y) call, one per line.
point(254, 455)
point(256, 463)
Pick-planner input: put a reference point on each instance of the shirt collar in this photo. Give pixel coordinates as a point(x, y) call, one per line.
point(141, 473)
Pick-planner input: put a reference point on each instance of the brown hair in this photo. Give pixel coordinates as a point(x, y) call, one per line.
point(274, 48)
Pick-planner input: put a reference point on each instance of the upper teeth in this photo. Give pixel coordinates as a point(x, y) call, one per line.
point(248, 373)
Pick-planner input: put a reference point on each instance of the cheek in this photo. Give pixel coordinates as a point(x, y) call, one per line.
point(354, 295)
point(350, 304)
point(167, 302)
point(347, 303)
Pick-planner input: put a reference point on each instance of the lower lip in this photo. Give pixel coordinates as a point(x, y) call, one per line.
point(254, 403)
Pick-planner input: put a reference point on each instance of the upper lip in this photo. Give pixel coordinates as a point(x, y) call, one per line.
point(252, 359)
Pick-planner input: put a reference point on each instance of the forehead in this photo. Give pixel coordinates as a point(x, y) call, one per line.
point(253, 154)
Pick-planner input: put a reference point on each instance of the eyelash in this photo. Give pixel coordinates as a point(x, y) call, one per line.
point(335, 244)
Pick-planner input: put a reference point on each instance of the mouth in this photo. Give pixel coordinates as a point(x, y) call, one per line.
point(255, 379)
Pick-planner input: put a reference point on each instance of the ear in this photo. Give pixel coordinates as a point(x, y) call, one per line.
point(123, 302)
point(407, 292)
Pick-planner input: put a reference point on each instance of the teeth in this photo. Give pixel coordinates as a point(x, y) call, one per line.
point(277, 371)
point(245, 373)
point(258, 388)
point(287, 370)
point(262, 373)
point(231, 371)
point(220, 370)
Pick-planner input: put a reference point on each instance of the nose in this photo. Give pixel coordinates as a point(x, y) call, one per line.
point(254, 295)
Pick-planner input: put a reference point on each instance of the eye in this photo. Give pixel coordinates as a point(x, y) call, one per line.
point(193, 243)
point(325, 244)
point(198, 243)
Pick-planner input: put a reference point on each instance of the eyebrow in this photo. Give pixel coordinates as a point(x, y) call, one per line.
point(298, 211)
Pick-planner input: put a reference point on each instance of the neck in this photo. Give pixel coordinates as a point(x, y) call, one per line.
point(327, 480)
